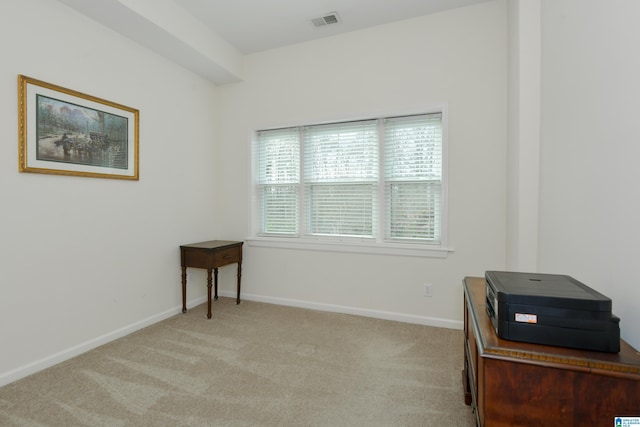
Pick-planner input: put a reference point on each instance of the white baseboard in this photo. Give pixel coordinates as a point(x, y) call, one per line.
point(377, 314)
point(39, 365)
point(31, 368)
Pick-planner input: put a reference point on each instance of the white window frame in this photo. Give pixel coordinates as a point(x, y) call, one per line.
point(376, 245)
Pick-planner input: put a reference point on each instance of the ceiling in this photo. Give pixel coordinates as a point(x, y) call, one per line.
point(211, 37)
point(257, 25)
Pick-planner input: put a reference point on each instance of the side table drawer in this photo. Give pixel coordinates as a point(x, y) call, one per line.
point(227, 256)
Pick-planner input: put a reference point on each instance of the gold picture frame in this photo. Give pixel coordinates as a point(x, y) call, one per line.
point(65, 132)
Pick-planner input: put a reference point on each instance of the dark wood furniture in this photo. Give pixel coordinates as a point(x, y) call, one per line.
point(210, 255)
point(511, 383)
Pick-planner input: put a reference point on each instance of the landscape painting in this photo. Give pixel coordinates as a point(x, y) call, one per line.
point(70, 133)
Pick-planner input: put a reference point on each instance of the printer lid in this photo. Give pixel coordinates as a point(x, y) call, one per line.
point(550, 290)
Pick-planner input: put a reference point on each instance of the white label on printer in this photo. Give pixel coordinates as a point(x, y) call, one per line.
point(526, 318)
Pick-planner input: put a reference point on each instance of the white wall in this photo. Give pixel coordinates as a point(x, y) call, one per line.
point(84, 260)
point(590, 149)
point(456, 58)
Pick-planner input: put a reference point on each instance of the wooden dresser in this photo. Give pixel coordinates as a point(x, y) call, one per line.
point(512, 383)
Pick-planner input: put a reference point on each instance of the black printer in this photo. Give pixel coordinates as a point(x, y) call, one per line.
point(551, 309)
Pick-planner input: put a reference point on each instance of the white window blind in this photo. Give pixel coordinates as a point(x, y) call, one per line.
point(380, 180)
point(413, 177)
point(278, 181)
point(341, 172)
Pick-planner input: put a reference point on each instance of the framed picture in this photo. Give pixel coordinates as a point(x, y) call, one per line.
point(65, 132)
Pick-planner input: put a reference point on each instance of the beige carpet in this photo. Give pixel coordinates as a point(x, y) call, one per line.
point(253, 364)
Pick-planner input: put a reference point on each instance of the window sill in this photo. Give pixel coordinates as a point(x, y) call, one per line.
point(352, 247)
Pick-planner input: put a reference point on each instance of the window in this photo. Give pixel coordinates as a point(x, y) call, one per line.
point(372, 182)
point(278, 158)
point(413, 177)
point(340, 177)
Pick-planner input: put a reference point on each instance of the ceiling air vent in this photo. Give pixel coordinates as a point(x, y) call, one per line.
point(330, 18)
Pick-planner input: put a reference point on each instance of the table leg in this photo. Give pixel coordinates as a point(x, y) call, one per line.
point(215, 295)
point(209, 293)
point(239, 275)
point(184, 289)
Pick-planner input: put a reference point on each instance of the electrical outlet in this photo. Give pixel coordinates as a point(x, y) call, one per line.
point(428, 290)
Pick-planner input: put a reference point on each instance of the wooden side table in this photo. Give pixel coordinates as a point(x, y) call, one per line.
point(210, 255)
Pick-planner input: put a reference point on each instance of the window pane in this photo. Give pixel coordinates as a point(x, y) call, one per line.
point(413, 148)
point(280, 209)
point(341, 152)
point(414, 210)
point(342, 210)
point(278, 156)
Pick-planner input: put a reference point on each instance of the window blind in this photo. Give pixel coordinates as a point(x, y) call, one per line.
point(278, 181)
point(379, 179)
point(340, 178)
point(413, 177)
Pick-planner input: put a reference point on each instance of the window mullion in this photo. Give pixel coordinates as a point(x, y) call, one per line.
point(381, 223)
point(303, 205)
